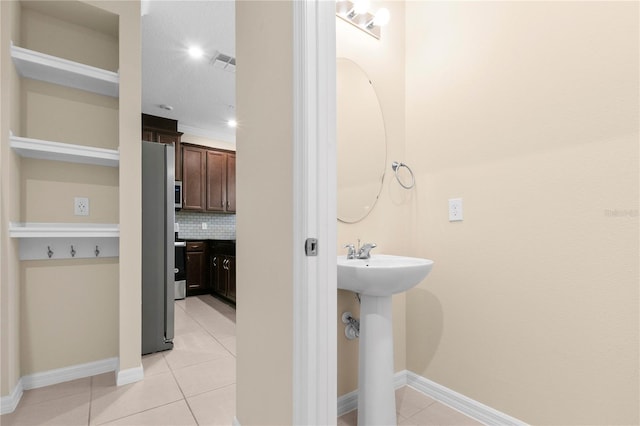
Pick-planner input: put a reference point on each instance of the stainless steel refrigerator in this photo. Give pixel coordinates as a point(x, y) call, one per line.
point(158, 214)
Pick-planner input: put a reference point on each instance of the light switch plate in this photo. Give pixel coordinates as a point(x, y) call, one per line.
point(455, 209)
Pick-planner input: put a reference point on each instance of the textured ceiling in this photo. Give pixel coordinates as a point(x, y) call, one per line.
point(202, 96)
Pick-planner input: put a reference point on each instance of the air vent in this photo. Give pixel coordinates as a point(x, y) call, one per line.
point(223, 62)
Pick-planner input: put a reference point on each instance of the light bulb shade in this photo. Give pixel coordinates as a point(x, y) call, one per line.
point(382, 17)
point(361, 7)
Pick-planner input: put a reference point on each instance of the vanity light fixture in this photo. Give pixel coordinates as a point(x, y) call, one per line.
point(357, 14)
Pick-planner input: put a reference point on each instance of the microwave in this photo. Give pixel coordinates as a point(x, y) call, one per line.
point(178, 195)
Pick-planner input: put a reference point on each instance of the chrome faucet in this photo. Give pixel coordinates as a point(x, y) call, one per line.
point(364, 252)
point(351, 253)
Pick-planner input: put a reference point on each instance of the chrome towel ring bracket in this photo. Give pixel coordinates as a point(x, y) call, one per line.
point(396, 166)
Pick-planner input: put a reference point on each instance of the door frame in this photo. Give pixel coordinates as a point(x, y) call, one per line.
point(314, 174)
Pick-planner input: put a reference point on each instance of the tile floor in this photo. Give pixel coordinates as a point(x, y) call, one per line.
point(193, 384)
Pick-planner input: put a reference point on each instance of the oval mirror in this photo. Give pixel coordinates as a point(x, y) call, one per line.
point(361, 143)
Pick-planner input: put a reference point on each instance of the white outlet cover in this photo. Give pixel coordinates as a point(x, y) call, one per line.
point(204, 225)
point(455, 209)
point(81, 206)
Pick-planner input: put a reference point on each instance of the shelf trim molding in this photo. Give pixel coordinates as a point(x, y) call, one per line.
point(63, 230)
point(58, 151)
point(52, 69)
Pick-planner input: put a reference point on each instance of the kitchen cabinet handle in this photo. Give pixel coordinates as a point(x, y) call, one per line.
point(228, 204)
point(215, 261)
point(222, 203)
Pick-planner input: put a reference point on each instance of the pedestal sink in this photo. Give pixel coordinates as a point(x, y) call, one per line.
point(376, 279)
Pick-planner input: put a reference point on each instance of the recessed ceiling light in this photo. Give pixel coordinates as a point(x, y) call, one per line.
point(195, 52)
point(232, 123)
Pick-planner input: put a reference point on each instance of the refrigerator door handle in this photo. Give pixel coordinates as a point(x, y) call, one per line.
point(170, 243)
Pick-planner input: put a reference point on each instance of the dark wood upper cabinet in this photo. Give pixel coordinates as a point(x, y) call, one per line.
point(164, 130)
point(231, 182)
point(208, 179)
point(216, 181)
point(193, 177)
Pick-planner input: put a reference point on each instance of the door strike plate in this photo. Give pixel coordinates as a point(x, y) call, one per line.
point(311, 247)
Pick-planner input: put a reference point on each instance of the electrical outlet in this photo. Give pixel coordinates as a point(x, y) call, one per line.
point(81, 206)
point(204, 225)
point(455, 209)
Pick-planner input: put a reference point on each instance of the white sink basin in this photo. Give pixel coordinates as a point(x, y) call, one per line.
point(382, 274)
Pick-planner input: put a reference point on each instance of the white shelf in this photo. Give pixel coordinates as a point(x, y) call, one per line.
point(63, 230)
point(40, 66)
point(57, 151)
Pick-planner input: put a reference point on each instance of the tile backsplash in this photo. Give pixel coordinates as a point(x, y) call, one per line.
point(219, 226)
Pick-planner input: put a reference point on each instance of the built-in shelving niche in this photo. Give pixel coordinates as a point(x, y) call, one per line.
point(65, 240)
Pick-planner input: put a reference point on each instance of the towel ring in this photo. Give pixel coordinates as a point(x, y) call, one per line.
point(396, 166)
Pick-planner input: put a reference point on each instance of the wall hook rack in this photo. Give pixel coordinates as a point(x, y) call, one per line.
point(49, 252)
point(73, 251)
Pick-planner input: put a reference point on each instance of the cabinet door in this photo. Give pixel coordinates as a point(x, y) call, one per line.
point(148, 135)
point(218, 284)
point(216, 181)
point(195, 268)
point(173, 139)
point(231, 182)
point(231, 277)
point(193, 178)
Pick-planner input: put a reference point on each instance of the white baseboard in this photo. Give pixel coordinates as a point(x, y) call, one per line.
point(130, 375)
point(349, 401)
point(53, 377)
point(444, 395)
point(467, 406)
point(66, 374)
point(9, 403)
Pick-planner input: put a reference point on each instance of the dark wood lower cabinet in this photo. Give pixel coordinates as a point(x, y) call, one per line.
point(222, 271)
point(196, 268)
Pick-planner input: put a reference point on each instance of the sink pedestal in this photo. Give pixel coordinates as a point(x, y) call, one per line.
point(376, 393)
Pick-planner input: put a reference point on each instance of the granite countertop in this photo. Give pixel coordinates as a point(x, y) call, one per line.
point(206, 239)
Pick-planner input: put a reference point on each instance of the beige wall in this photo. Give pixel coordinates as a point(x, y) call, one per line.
point(529, 112)
point(265, 211)
point(69, 314)
point(130, 175)
point(386, 225)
